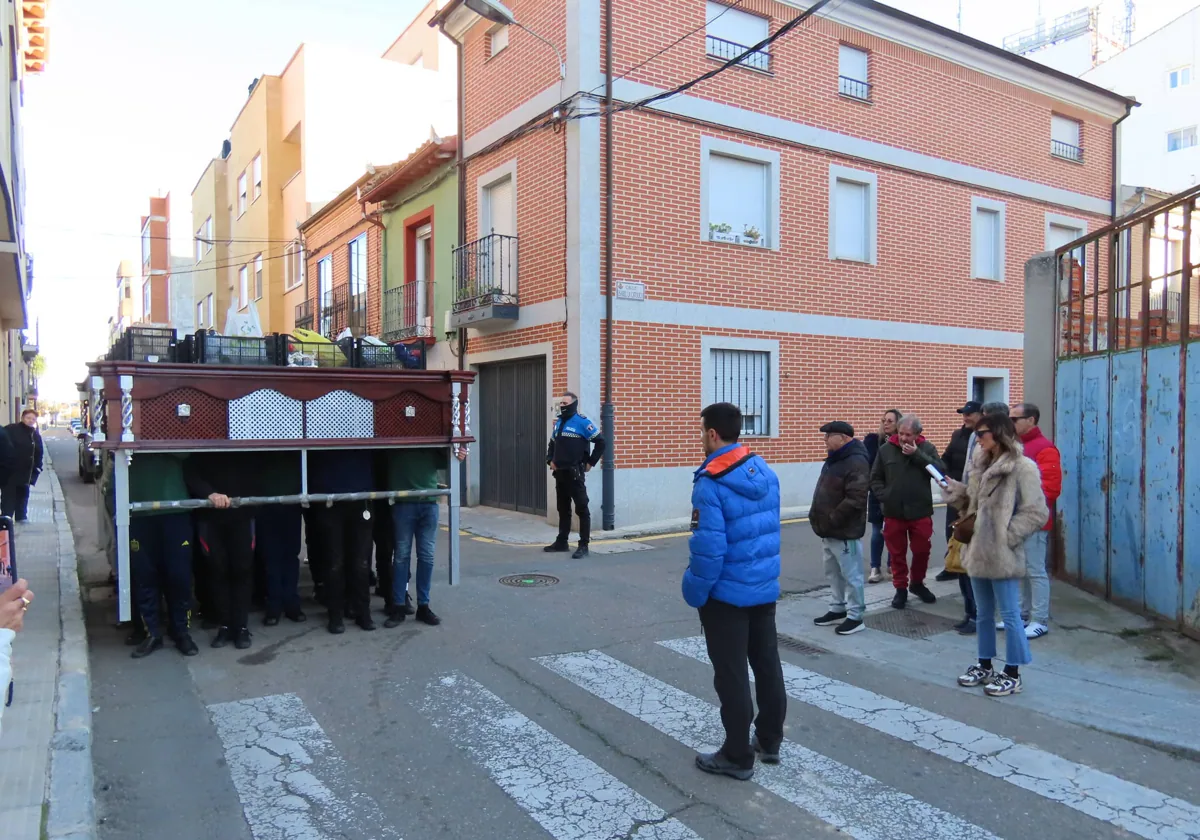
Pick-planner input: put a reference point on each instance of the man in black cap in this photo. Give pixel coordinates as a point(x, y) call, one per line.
point(838, 516)
point(955, 459)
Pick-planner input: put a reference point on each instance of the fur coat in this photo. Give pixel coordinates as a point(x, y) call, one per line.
point(1009, 505)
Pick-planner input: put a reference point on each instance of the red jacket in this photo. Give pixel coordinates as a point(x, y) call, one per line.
point(1043, 452)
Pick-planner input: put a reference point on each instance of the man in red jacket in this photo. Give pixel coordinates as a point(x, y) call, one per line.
point(1036, 591)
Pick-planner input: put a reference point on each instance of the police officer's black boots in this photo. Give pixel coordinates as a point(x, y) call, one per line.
point(580, 552)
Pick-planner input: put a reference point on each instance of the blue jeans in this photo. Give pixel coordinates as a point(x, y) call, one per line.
point(1005, 594)
point(420, 520)
point(877, 544)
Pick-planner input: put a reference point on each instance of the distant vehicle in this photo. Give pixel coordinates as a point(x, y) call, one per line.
point(76, 428)
point(88, 469)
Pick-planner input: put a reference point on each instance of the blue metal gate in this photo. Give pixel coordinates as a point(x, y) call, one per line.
point(1127, 410)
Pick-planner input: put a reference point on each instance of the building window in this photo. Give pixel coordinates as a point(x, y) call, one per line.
point(146, 245)
point(200, 314)
point(987, 239)
point(258, 278)
point(256, 169)
point(497, 40)
point(357, 250)
point(731, 32)
point(853, 215)
point(987, 385)
point(293, 265)
point(146, 313)
point(423, 279)
point(1062, 229)
point(1183, 138)
point(739, 198)
point(243, 287)
point(744, 372)
point(211, 305)
point(1064, 138)
point(1179, 77)
point(208, 234)
point(325, 293)
point(241, 186)
point(199, 244)
point(852, 73)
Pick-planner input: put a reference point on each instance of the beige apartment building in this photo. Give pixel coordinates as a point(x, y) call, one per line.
point(300, 137)
point(125, 312)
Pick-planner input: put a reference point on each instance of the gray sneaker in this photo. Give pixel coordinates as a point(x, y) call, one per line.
point(976, 676)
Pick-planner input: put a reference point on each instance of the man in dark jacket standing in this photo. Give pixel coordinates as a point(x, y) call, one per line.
point(901, 483)
point(733, 579)
point(569, 461)
point(955, 458)
point(838, 516)
point(26, 466)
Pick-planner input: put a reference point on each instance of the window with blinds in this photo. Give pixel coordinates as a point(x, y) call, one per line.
point(851, 228)
point(743, 377)
point(985, 243)
point(738, 195)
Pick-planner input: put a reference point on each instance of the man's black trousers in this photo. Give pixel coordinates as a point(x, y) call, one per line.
point(277, 545)
point(14, 500)
point(735, 635)
point(228, 540)
point(160, 559)
point(344, 540)
point(570, 486)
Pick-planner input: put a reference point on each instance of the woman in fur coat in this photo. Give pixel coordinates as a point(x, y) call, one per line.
point(1004, 492)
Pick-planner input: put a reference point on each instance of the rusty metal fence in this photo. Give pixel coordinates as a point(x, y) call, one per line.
point(1127, 409)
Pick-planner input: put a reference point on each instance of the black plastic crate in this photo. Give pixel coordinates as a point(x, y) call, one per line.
point(296, 353)
point(402, 356)
point(185, 350)
point(212, 349)
point(144, 344)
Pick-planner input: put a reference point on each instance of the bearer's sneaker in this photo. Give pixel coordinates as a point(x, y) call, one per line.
point(243, 639)
point(966, 627)
point(147, 646)
point(1003, 685)
point(944, 576)
point(224, 636)
point(557, 545)
point(976, 676)
point(717, 764)
point(766, 756)
point(136, 636)
point(580, 553)
point(426, 616)
point(830, 618)
point(922, 592)
point(1035, 630)
point(1000, 626)
point(185, 645)
point(850, 626)
point(395, 617)
point(875, 576)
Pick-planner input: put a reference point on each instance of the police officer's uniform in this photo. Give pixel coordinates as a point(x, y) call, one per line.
point(574, 444)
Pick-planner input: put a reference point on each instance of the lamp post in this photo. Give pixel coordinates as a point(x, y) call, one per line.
point(497, 12)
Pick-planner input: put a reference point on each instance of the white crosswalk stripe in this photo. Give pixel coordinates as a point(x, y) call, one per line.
point(569, 795)
point(858, 804)
point(1141, 810)
point(288, 775)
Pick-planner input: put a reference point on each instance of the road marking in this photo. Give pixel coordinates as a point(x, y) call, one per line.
point(1141, 810)
point(569, 795)
point(292, 783)
point(858, 804)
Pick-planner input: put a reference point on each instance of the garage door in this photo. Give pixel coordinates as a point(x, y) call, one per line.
point(513, 409)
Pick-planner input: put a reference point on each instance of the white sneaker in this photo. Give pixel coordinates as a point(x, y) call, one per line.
point(875, 576)
point(1035, 630)
point(999, 625)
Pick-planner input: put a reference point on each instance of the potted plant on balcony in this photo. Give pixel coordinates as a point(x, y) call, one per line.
point(751, 235)
point(721, 232)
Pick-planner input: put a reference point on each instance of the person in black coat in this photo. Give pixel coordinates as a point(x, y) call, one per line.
point(887, 428)
point(26, 466)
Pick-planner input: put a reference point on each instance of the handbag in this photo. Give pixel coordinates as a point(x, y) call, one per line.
point(954, 557)
point(964, 529)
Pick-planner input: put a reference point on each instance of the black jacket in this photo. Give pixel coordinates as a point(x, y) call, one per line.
point(226, 473)
point(839, 505)
point(901, 482)
point(955, 456)
point(27, 453)
point(874, 511)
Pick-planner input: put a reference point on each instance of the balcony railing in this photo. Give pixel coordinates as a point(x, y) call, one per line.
point(854, 88)
point(485, 280)
point(304, 315)
point(341, 311)
point(1168, 303)
point(408, 311)
point(726, 50)
point(1066, 151)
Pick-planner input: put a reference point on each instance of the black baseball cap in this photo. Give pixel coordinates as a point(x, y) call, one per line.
point(838, 427)
point(971, 407)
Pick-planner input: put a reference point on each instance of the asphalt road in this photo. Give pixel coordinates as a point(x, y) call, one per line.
point(555, 711)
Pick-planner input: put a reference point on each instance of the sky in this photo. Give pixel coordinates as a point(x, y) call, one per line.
point(138, 96)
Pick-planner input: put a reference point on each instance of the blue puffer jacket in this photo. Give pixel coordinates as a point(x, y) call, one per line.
point(734, 546)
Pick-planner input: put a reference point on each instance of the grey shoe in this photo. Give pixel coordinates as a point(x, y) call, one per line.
point(764, 755)
point(717, 764)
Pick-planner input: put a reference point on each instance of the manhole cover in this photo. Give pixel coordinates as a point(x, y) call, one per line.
point(529, 580)
point(800, 646)
point(911, 624)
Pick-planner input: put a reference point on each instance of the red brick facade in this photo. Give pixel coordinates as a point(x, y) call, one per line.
point(329, 233)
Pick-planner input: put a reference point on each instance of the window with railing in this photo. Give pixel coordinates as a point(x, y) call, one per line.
point(743, 377)
point(731, 32)
point(406, 311)
point(852, 72)
point(485, 272)
point(304, 315)
point(1064, 138)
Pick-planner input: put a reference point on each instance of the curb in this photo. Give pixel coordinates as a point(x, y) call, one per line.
point(70, 793)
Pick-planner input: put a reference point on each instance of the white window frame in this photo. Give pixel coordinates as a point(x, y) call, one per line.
point(208, 234)
point(211, 305)
point(1178, 72)
point(200, 314)
point(244, 286)
point(1077, 145)
point(848, 89)
point(258, 277)
point(241, 196)
point(871, 181)
point(998, 207)
point(1056, 219)
point(293, 265)
point(498, 39)
point(504, 170)
point(356, 262)
point(256, 169)
point(715, 12)
point(712, 145)
point(1182, 132)
point(708, 343)
point(147, 300)
point(1004, 374)
point(200, 252)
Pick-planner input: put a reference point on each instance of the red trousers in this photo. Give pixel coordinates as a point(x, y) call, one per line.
point(898, 535)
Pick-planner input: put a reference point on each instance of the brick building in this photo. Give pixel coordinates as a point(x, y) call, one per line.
point(834, 226)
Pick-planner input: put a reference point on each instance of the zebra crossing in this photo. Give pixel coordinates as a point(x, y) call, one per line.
point(293, 785)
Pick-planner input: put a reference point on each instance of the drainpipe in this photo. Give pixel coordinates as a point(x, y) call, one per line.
point(1116, 169)
point(463, 473)
point(608, 470)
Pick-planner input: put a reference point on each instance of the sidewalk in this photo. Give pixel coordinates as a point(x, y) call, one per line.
point(1100, 666)
point(45, 747)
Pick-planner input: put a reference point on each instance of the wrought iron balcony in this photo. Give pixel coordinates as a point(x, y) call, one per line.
point(485, 282)
point(1066, 151)
point(341, 311)
point(408, 311)
point(854, 88)
point(304, 315)
point(725, 50)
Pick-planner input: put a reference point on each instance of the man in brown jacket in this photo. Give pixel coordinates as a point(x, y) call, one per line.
point(838, 516)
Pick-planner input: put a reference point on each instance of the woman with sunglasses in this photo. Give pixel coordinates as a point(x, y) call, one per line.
point(1004, 497)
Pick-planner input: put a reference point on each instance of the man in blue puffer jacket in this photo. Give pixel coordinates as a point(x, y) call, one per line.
point(733, 579)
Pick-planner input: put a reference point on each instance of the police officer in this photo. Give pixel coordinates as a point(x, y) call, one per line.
point(569, 459)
